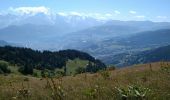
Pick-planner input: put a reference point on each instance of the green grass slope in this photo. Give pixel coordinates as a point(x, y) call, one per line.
point(139, 82)
point(72, 65)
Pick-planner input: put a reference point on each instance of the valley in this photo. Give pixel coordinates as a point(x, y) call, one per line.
point(84, 50)
point(103, 41)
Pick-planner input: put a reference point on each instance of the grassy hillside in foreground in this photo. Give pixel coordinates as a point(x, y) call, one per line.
point(150, 81)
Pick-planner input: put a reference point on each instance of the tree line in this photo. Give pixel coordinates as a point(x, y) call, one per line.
point(29, 59)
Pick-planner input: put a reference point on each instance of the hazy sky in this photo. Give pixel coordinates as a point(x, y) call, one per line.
point(155, 10)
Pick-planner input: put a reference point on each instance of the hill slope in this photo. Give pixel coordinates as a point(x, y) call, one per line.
point(45, 59)
point(153, 55)
point(3, 43)
point(151, 82)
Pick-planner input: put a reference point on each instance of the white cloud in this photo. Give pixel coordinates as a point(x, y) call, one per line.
point(76, 13)
point(30, 10)
point(140, 16)
point(73, 13)
point(132, 12)
point(62, 14)
point(116, 12)
point(108, 15)
point(102, 16)
point(161, 17)
point(99, 16)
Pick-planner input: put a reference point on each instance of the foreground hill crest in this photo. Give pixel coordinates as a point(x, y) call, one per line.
point(46, 59)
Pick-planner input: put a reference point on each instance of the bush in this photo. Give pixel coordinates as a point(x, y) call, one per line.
point(49, 73)
point(90, 93)
point(1, 72)
point(165, 68)
point(60, 73)
point(4, 67)
point(35, 74)
point(111, 68)
point(105, 74)
point(133, 92)
point(26, 70)
point(80, 70)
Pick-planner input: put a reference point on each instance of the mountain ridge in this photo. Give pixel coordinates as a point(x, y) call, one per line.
point(147, 56)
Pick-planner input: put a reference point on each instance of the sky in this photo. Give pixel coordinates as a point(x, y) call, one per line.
point(154, 10)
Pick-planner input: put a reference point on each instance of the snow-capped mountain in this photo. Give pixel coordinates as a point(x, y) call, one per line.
point(72, 21)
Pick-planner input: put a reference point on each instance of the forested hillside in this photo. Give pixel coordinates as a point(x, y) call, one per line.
point(40, 60)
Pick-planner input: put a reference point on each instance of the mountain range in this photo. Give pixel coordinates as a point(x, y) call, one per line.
point(101, 38)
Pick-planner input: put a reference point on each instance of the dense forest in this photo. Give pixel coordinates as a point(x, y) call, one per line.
point(29, 59)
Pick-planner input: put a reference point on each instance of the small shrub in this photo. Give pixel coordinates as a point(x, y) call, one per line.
point(57, 92)
point(111, 68)
point(91, 92)
point(35, 74)
point(4, 67)
point(60, 73)
point(47, 73)
point(105, 74)
point(1, 72)
point(80, 70)
point(133, 93)
point(22, 93)
point(165, 68)
point(26, 79)
point(26, 69)
point(43, 74)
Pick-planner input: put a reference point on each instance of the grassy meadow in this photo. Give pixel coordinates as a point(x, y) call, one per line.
point(139, 82)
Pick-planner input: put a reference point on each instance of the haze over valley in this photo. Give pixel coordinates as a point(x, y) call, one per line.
point(98, 35)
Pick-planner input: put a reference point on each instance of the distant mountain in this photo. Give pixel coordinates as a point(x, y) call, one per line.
point(7, 20)
point(139, 42)
point(41, 31)
point(142, 25)
point(3, 43)
point(117, 28)
point(35, 30)
point(148, 38)
point(72, 21)
point(111, 32)
point(85, 38)
point(101, 38)
point(105, 49)
point(27, 32)
point(148, 56)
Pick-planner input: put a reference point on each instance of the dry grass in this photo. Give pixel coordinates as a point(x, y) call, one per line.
point(88, 86)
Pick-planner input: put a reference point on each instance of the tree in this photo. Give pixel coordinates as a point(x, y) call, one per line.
point(89, 67)
point(4, 67)
point(80, 70)
point(27, 69)
point(95, 66)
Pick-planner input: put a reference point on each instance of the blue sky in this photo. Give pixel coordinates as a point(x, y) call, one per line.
point(155, 10)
